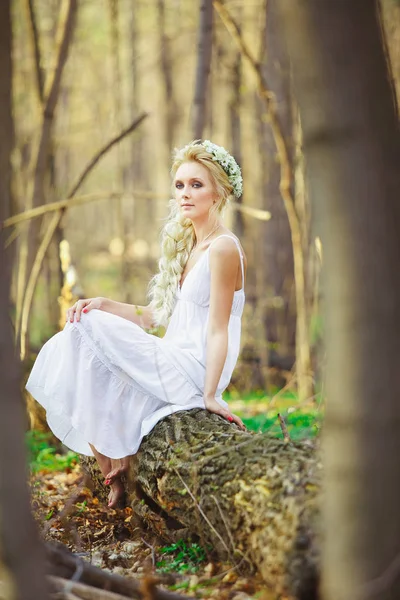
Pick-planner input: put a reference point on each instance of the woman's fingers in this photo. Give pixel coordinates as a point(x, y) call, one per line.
point(214, 407)
point(235, 419)
point(77, 309)
point(82, 305)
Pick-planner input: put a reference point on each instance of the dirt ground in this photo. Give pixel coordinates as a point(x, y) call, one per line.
point(67, 511)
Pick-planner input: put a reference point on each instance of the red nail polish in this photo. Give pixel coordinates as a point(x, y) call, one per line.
point(84, 310)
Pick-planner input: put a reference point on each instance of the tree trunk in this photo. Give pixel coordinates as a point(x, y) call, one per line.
point(171, 114)
point(253, 498)
point(236, 132)
point(352, 149)
point(277, 248)
point(303, 356)
point(39, 164)
point(390, 11)
point(120, 225)
point(21, 565)
point(204, 53)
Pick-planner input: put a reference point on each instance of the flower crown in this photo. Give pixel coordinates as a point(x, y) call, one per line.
point(226, 161)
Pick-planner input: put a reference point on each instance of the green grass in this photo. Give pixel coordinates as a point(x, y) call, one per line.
point(300, 425)
point(43, 457)
point(259, 412)
point(181, 557)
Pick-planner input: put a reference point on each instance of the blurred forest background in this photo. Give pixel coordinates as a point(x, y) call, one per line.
point(156, 74)
point(103, 90)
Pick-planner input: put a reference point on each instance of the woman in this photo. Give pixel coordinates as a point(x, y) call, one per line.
point(104, 381)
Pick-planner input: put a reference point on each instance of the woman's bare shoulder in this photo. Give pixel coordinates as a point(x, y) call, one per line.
point(222, 245)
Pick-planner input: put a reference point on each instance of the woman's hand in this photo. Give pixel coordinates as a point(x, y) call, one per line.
point(215, 407)
point(83, 306)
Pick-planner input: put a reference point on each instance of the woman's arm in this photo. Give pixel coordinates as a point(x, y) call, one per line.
point(141, 315)
point(224, 264)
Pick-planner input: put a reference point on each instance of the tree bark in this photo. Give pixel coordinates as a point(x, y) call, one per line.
point(39, 164)
point(253, 498)
point(236, 132)
point(204, 53)
point(21, 563)
point(352, 149)
point(171, 114)
point(277, 248)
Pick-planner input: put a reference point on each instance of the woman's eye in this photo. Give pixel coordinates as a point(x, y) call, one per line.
point(197, 184)
point(178, 185)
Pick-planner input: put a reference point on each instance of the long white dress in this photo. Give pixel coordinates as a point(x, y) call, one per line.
point(107, 382)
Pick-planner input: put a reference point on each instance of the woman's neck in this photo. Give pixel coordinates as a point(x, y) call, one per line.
point(205, 230)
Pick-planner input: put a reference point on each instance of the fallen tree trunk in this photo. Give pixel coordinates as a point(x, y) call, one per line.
point(252, 497)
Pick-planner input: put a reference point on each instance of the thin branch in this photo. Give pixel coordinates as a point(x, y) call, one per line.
point(63, 563)
point(83, 591)
point(256, 213)
point(228, 531)
point(284, 428)
point(104, 150)
point(38, 211)
point(153, 552)
point(268, 96)
point(27, 215)
point(33, 277)
point(201, 511)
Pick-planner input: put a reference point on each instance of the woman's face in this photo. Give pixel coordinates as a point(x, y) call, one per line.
point(194, 190)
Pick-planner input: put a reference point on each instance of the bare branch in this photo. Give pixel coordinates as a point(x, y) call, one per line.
point(37, 265)
point(104, 150)
point(284, 428)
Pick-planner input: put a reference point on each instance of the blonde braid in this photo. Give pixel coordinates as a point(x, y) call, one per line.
point(177, 240)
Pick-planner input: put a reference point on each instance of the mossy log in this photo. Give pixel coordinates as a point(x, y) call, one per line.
point(252, 497)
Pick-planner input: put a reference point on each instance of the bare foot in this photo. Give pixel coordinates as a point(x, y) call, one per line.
point(117, 471)
point(116, 495)
point(215, 407)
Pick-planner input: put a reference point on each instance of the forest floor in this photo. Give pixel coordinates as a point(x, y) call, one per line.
point(69, 512)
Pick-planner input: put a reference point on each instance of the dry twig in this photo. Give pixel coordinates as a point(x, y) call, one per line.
point(63, 563)
point(286, 435)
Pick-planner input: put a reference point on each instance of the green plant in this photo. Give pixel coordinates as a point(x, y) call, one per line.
point(181, 557)
point(42, 456)
point(301, 425)
point(81, 506)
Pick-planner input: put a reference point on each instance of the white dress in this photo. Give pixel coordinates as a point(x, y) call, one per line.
point(107, 382)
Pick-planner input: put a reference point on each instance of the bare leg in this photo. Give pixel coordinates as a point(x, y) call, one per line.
point(118, 467)
point(104, 461)
point(117, 488)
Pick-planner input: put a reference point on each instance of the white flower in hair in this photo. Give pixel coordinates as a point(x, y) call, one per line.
point(228, 163)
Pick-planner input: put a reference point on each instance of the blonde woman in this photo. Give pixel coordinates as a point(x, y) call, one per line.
point(104, 381)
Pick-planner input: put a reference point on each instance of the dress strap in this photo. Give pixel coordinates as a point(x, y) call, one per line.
point(239, 250)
